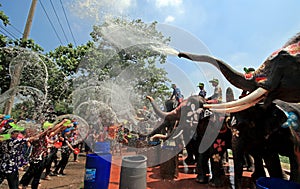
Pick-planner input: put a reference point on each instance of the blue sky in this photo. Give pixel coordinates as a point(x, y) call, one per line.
point(243, 33)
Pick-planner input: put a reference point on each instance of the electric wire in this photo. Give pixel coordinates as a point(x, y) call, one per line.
point(68, 23)
point(50, 22)
point(59, 21)
point(5, 34)
point(16, 29)
point(9, 33)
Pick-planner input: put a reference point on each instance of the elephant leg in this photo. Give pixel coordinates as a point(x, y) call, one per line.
point(238, 157)
point(203, 167)
point(259, 170)
point(190, 159)
point(273, 165)
point(248, 162)
point(294, 169)
point(217, 168)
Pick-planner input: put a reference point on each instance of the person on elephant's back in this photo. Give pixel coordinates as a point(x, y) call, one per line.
point(217, 96)
point(177, 94)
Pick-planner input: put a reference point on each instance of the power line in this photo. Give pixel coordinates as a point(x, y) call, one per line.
point(51, 22)
point(5, 34)
point(9, 33)
point(16, 29)
point(68, 23)
point(59, 21)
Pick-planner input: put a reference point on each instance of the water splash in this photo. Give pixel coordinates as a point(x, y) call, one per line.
point(126, 36)
point(166, 50)
point(83, 127)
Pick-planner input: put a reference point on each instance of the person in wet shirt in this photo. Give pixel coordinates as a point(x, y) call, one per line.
point(38, 157)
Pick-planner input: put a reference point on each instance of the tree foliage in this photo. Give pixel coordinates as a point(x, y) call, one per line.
point(100, 58)
point(134, 53)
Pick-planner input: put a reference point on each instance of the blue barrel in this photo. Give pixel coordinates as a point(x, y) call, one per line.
point(133, 172)
point(275, 183)
point(102, 147)
point(97, 171)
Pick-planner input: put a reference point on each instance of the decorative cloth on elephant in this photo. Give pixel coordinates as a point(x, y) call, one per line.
point(293, 49)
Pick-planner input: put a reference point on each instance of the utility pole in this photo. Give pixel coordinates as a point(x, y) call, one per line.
point(15, 77)
point(29, 20)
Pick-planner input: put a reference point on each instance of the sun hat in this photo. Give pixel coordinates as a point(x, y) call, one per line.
point(16, 127)
point(5, 136)
point(214, 81)
point(47, 125)
point(6, 117)
point(67, 123)
point(68, 130)
point(201, 85)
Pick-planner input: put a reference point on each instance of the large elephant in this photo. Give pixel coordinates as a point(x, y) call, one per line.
point(193, 118)
point(257, 131)
point(277, 78)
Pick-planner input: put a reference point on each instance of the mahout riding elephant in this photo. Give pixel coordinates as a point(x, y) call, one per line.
point(277, 78)
point(193, 118)
point(259, 132)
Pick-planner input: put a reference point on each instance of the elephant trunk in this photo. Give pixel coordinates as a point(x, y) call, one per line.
point(235, 78)
point(172, 115)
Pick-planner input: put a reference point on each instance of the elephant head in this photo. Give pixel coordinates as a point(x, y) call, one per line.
point(193, 117)
point(277, 78)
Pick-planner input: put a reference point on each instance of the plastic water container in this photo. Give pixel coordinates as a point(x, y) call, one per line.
point(102, 147)
point(97, 171)
point(275, 183)
point(133, 172)
point(169, 168)
point(153, 155)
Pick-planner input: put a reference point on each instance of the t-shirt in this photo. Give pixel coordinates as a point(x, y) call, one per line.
point(11, 154)
point(177, 94)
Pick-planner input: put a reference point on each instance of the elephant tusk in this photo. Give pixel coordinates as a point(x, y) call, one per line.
point(237, 108)
point(180, 132)
point(246, 100)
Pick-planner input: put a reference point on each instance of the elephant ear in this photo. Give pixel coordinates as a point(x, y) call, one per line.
point(191, 112)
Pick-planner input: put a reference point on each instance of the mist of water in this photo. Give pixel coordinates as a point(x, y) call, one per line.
point(126, 36)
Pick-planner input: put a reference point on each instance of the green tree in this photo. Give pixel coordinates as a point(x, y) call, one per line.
point(114, 53)
point(62, 66)
point(9, 49)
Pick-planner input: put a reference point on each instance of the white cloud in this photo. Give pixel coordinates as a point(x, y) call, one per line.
point(95, 9)
point(169, 19)
point(167, 3)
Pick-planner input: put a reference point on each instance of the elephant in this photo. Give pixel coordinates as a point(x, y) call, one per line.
point(277, 78)
point(193, 118)
point(259, 132)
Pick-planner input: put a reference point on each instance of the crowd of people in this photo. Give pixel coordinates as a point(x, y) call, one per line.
point(35, 151)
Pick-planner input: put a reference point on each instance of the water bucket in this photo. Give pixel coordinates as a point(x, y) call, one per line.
point(153, 155)
point(102, 147)
point(97, 171)
point(169, 168)
point(133, 172)
point(275, 183)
